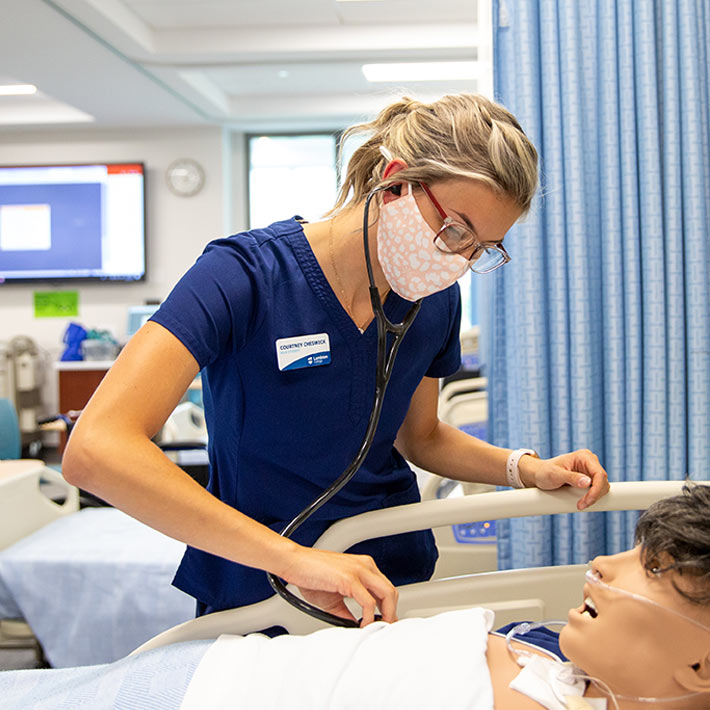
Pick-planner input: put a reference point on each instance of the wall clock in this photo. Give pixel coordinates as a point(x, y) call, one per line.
point(185, 177)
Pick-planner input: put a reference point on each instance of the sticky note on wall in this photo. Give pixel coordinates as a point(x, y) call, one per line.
point(56, 304)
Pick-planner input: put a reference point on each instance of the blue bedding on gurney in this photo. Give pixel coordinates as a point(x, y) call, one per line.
point(8, 607)
point(93, 586)
point(155, 680)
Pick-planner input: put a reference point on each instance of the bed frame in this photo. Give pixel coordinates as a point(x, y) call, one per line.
point(530, 594)
point(23, 507)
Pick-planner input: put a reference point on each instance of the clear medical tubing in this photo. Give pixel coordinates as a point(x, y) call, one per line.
point(592, 578)
point(385, 363)
point(595, 579)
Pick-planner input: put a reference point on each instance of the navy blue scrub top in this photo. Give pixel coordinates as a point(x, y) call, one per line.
point(277, 439)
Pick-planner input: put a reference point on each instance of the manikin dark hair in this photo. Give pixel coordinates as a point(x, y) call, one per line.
point(674, 534)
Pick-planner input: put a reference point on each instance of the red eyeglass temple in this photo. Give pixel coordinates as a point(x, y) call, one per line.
point(434, 201)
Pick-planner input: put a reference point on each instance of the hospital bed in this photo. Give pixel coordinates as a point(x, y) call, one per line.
point(91, 584)
point(22, 511)
point(158, 673)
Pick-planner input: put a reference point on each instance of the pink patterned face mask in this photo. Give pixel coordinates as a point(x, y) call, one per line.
point(413, 266)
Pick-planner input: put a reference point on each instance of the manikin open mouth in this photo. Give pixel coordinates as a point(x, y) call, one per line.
point(590, 608)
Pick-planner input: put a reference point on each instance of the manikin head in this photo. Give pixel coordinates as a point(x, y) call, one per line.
point(657, 649)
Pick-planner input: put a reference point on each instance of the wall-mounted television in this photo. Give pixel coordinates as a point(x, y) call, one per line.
point(62, 222)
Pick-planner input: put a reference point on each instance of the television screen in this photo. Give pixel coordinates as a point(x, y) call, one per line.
point(72, 221)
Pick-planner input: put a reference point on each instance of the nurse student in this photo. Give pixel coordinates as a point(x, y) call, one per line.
point(280, 322)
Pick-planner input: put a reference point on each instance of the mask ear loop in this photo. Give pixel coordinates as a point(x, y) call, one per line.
point(386, 154)
point(396, 189)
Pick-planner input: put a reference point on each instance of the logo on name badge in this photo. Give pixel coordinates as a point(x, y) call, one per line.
point(303, 351)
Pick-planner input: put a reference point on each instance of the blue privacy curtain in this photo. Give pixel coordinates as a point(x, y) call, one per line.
point(597, 334)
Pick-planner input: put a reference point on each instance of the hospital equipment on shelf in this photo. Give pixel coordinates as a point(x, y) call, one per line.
point(183, 438)
point(533, 594)
point(10, 440)
point(185, 424)
point(22, 366)
point(138, 317)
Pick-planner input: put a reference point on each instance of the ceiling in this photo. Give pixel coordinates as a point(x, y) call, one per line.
point(248, 64)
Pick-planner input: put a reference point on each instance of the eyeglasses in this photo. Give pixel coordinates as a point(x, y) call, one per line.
point(457, 238)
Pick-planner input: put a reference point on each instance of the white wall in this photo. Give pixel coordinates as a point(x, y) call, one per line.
point(177, 227)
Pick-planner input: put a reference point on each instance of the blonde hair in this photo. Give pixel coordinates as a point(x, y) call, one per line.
point(457, 136)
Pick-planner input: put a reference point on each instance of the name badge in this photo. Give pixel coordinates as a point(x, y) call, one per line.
point(303, 351)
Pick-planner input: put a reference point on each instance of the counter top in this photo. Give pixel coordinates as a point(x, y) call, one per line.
point(83, 364)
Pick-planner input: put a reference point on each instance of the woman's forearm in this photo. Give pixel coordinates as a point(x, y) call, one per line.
point(130, 472)
point(450, 452)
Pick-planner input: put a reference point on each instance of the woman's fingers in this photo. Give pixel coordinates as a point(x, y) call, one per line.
point(388, 606)
point(326, 578)
point(588, 464)
point(385, 593)
point(599, 488)
point(360, 594)
point(580, 469)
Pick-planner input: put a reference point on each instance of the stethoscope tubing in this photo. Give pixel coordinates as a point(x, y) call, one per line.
point(385, 364)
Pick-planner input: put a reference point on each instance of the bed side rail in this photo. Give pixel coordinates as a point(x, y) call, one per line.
point(482, 589)
point(23, 507)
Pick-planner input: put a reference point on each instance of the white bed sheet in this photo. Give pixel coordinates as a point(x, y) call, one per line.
point(94, 585)
point(415, 664)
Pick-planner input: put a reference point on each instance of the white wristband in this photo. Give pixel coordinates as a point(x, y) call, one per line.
point(512, 473)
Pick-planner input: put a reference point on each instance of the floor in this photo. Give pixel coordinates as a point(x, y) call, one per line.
point(17, 659)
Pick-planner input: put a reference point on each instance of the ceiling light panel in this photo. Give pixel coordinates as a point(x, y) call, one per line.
point(223, 14)
point(17, 89)
point(421, 71)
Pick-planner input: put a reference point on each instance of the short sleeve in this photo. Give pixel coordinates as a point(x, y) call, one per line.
point(213, 308)
point(448, 359)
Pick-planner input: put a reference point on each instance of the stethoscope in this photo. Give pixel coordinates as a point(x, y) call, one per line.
point(385, 363)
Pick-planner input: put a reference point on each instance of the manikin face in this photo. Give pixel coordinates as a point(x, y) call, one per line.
point(636, 648)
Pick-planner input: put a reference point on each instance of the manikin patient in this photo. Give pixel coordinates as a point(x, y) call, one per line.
point(643, 629)
point(640, 638)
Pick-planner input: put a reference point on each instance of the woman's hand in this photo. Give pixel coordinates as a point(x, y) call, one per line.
point(580, 469)
point(326, 578)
